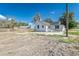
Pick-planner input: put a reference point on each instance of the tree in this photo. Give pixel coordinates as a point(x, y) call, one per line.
point(22, 24)
point(71, 20)
point(72, 24)
point(48, 20)
point(36, 17)
point(71, 16)
point(12, 23)
point(68, 20)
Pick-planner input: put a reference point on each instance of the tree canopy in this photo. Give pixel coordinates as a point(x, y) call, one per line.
point(71, 20)
point(36, 17)
point(22, 24)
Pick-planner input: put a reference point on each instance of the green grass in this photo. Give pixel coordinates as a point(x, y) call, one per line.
point(69, 40)
point(74, 33)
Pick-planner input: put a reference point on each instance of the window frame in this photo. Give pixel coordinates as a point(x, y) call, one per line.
point(42, 26)
point(37, 26)
point(56, 26)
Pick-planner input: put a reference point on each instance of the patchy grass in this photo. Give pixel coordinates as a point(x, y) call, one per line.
point(74, 33)
point(57, 36)
point(64, 39)
point(69, 40)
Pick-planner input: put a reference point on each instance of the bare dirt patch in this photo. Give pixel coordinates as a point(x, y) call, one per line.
point(30, 44)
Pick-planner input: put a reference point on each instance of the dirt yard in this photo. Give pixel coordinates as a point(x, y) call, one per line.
point(30, 44)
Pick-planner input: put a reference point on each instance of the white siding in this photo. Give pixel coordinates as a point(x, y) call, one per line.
point(48, 29)
point(41, 29)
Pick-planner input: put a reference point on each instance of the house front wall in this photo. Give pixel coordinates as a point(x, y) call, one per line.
point(57, 28)
point(40, 27)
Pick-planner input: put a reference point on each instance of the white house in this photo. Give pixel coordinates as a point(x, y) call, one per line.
point(42, 26)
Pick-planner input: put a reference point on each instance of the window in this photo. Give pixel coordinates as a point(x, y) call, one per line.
point(38, 26)
point(56, 26)
point(42, 26)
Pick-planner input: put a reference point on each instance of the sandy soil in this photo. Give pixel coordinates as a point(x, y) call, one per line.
point(28, 44)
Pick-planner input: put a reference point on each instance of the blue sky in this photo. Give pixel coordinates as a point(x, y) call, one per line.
point(25, 11)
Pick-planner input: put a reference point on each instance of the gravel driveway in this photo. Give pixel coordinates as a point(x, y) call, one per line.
point(28, 44)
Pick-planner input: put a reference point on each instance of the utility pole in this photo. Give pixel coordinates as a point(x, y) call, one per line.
point(67, 17)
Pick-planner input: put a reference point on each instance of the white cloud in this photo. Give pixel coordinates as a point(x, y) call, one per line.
point(2, 17)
